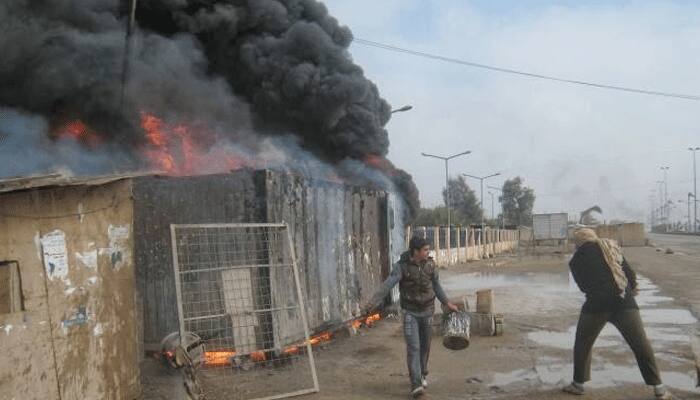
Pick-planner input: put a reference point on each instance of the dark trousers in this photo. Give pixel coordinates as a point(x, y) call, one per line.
point(629, 323)
point(417, 331)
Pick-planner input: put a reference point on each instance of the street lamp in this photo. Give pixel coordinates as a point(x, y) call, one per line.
point(402, 109)
point(500, 200)
point(660, 213)
point(482, 179)
point(491, 194)
point(695, 187)
point(690, 195)
point(666, 211)
point(447, 178)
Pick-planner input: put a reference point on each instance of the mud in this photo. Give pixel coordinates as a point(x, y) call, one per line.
point(533, 357)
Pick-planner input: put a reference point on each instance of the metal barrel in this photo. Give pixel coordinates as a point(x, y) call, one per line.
point(456, 331)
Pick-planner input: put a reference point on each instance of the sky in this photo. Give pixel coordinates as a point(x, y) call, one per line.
point(575, 146)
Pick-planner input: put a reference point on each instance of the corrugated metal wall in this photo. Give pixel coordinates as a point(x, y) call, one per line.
point(161, 201)
point(340, 233)
point(341, 239)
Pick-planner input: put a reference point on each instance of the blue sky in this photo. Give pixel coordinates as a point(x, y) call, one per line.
point(576, 146)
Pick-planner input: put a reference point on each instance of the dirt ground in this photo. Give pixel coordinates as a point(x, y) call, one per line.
point(532, 360)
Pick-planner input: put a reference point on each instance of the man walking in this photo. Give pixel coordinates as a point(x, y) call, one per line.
point(419, 285)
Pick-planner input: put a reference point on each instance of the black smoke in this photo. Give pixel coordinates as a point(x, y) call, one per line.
point(246, 69)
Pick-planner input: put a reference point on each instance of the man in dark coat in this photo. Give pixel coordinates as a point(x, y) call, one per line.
point(603, 274)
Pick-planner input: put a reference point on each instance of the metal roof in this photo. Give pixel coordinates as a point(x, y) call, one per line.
point(52, 180)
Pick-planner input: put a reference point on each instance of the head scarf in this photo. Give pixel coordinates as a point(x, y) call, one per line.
point(611, 252)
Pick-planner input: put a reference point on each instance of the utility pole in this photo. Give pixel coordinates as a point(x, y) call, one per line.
point(482, 179)
point(126, 66)
point(491, 194)
point(695, 188)
point(447, 179)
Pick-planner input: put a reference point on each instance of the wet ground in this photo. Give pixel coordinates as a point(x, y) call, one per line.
point(533, 357)
point(683, 244)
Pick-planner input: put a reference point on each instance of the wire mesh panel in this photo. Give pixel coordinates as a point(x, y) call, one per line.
point(238, 291)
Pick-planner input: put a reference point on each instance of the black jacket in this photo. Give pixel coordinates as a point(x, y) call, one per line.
point(594, 278)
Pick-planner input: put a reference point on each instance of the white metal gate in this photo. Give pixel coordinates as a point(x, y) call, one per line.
point(238, 289)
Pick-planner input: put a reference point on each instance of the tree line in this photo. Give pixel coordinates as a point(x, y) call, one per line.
point(514, 209)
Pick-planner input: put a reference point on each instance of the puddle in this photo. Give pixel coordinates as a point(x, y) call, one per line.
point(550, 373)
point(477, 280)
point(667, 328)
point(674, 316)
point(565, 340)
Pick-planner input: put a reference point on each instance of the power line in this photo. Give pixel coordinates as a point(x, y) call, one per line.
point(437, 57)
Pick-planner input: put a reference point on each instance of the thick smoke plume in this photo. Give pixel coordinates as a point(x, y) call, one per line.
point(222, 73)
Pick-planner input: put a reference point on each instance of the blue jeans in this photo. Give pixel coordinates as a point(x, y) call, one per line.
point(417, 331)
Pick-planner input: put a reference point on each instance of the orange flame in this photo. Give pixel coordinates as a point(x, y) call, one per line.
point(378, 162)
point(258, 356)
point(184, 150)
point(218, 358)
point(367, 321)
point(372, 319)
point(78, 131)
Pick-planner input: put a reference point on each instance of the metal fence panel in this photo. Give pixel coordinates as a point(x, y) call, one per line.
point(238, 291)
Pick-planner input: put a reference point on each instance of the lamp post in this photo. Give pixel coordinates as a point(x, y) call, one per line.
point(482, 179)
point(447, 178)
point(500, 200)
point(695, 188)
point(666, 212)
point(491, 194)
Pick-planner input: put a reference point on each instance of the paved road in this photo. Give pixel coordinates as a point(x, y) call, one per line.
point(681, 243)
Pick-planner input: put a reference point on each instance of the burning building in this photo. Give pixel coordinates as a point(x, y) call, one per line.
point(191, 91)
point(87, 274)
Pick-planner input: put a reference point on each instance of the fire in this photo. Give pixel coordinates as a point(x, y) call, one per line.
point(378, 162)
point(218, 358)
point(366, 321)
point(78, 131)
point(158, 150)
point(185, 149)
point(172, 148)
point(258, 356)
point(372, 319)
point(224, 358)
point(322, 337)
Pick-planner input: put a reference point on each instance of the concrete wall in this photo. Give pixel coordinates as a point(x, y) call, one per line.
point(468, 244)
point(628, 235)
point(76, 338)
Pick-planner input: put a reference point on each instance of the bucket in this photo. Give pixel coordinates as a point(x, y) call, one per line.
point(456, 330)
point(484, 301)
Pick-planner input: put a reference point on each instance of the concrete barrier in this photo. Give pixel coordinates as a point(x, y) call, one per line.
point(468, 244)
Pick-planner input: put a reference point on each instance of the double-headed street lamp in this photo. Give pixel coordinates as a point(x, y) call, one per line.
point(447, 178)
point(482, 179)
